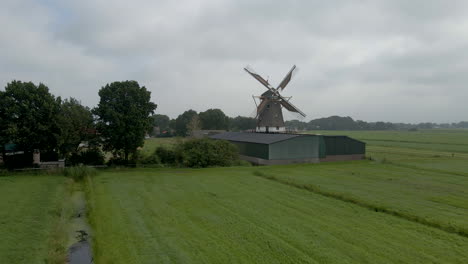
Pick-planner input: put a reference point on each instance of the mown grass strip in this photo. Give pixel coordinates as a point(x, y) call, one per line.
point(416, 167)
point(413, 218)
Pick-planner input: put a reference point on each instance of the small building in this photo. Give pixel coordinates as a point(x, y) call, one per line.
point(281, 148)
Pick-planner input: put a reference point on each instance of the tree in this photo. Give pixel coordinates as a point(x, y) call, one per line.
point(161, 121)
point(182, 122)
point(29, 116)
point(123, 116)
point(240, 123)
point(333, 123)
point(296, 125)
point(76, 123)
point(193, 125)
point(214, 119)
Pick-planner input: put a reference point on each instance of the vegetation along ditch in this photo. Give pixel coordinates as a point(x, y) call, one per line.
point(79, 231)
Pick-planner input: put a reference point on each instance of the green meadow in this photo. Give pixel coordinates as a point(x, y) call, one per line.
point(226, 215)
point(33, 218)
point(406, 203)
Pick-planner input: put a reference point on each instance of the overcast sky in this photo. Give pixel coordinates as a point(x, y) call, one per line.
point(395, 60)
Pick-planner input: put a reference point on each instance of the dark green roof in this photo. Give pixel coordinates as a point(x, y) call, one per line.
point(339, 136)
point(260, 138)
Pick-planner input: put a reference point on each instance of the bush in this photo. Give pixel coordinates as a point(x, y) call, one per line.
point(165, 155)
point(79, 173)
point(201, 153)
point(195, 153)
point(87, 157)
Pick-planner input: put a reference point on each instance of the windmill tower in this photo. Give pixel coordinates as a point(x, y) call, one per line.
point(269, 110)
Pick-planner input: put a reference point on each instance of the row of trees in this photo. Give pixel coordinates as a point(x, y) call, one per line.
point(33, 118)
point(338, 123)
point(211, 119)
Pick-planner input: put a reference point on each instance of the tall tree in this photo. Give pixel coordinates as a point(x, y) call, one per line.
point(214, 119)
point(182, 121)
point(29, 116)
point(76, 123)
point(123, 116)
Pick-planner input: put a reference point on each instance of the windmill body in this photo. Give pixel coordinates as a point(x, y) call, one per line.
point(270, 118)
point(269, 110)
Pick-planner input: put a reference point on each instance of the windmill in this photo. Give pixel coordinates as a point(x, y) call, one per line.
point(269, 110)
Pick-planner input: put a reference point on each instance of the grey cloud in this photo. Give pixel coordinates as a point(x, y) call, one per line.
point(401, 61)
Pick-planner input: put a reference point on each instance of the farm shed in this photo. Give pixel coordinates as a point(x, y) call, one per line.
point(269, 149)
point(338, 148)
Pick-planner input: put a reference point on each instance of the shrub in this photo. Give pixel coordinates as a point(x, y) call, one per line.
point(200, 153)
point(165, 155)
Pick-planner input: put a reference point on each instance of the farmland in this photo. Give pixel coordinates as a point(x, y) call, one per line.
point(406, 203)
point(33, 216)
point(230, 214)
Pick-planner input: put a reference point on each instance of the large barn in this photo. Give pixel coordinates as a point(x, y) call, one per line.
point(281, 148)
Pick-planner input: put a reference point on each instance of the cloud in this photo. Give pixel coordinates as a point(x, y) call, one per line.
point(400, 61)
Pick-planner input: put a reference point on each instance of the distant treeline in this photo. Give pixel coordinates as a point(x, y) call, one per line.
point(347, 123)
point(215, 119)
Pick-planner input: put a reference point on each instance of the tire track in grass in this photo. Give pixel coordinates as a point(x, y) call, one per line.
point(413, 218)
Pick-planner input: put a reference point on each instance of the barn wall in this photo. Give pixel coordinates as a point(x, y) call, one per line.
point(343, 145)
point(252, 149)
point(304, 147)
point(260, 161)
point(322, 147)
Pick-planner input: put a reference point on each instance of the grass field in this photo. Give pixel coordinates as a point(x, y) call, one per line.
point(231, 215)
point(32, 219)
point(433, 198)
point(407, 203)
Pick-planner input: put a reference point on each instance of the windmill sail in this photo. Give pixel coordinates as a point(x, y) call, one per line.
point(286, 79)
point(258, 77)
point(261, 107)
point(291, 107)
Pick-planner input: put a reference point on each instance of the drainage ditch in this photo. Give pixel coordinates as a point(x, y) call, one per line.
point(79, 234)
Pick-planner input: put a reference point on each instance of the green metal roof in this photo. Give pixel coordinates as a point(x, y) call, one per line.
point(260, 138)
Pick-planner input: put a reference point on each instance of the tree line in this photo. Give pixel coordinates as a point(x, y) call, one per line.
point(190, 120)
point(347, 123)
